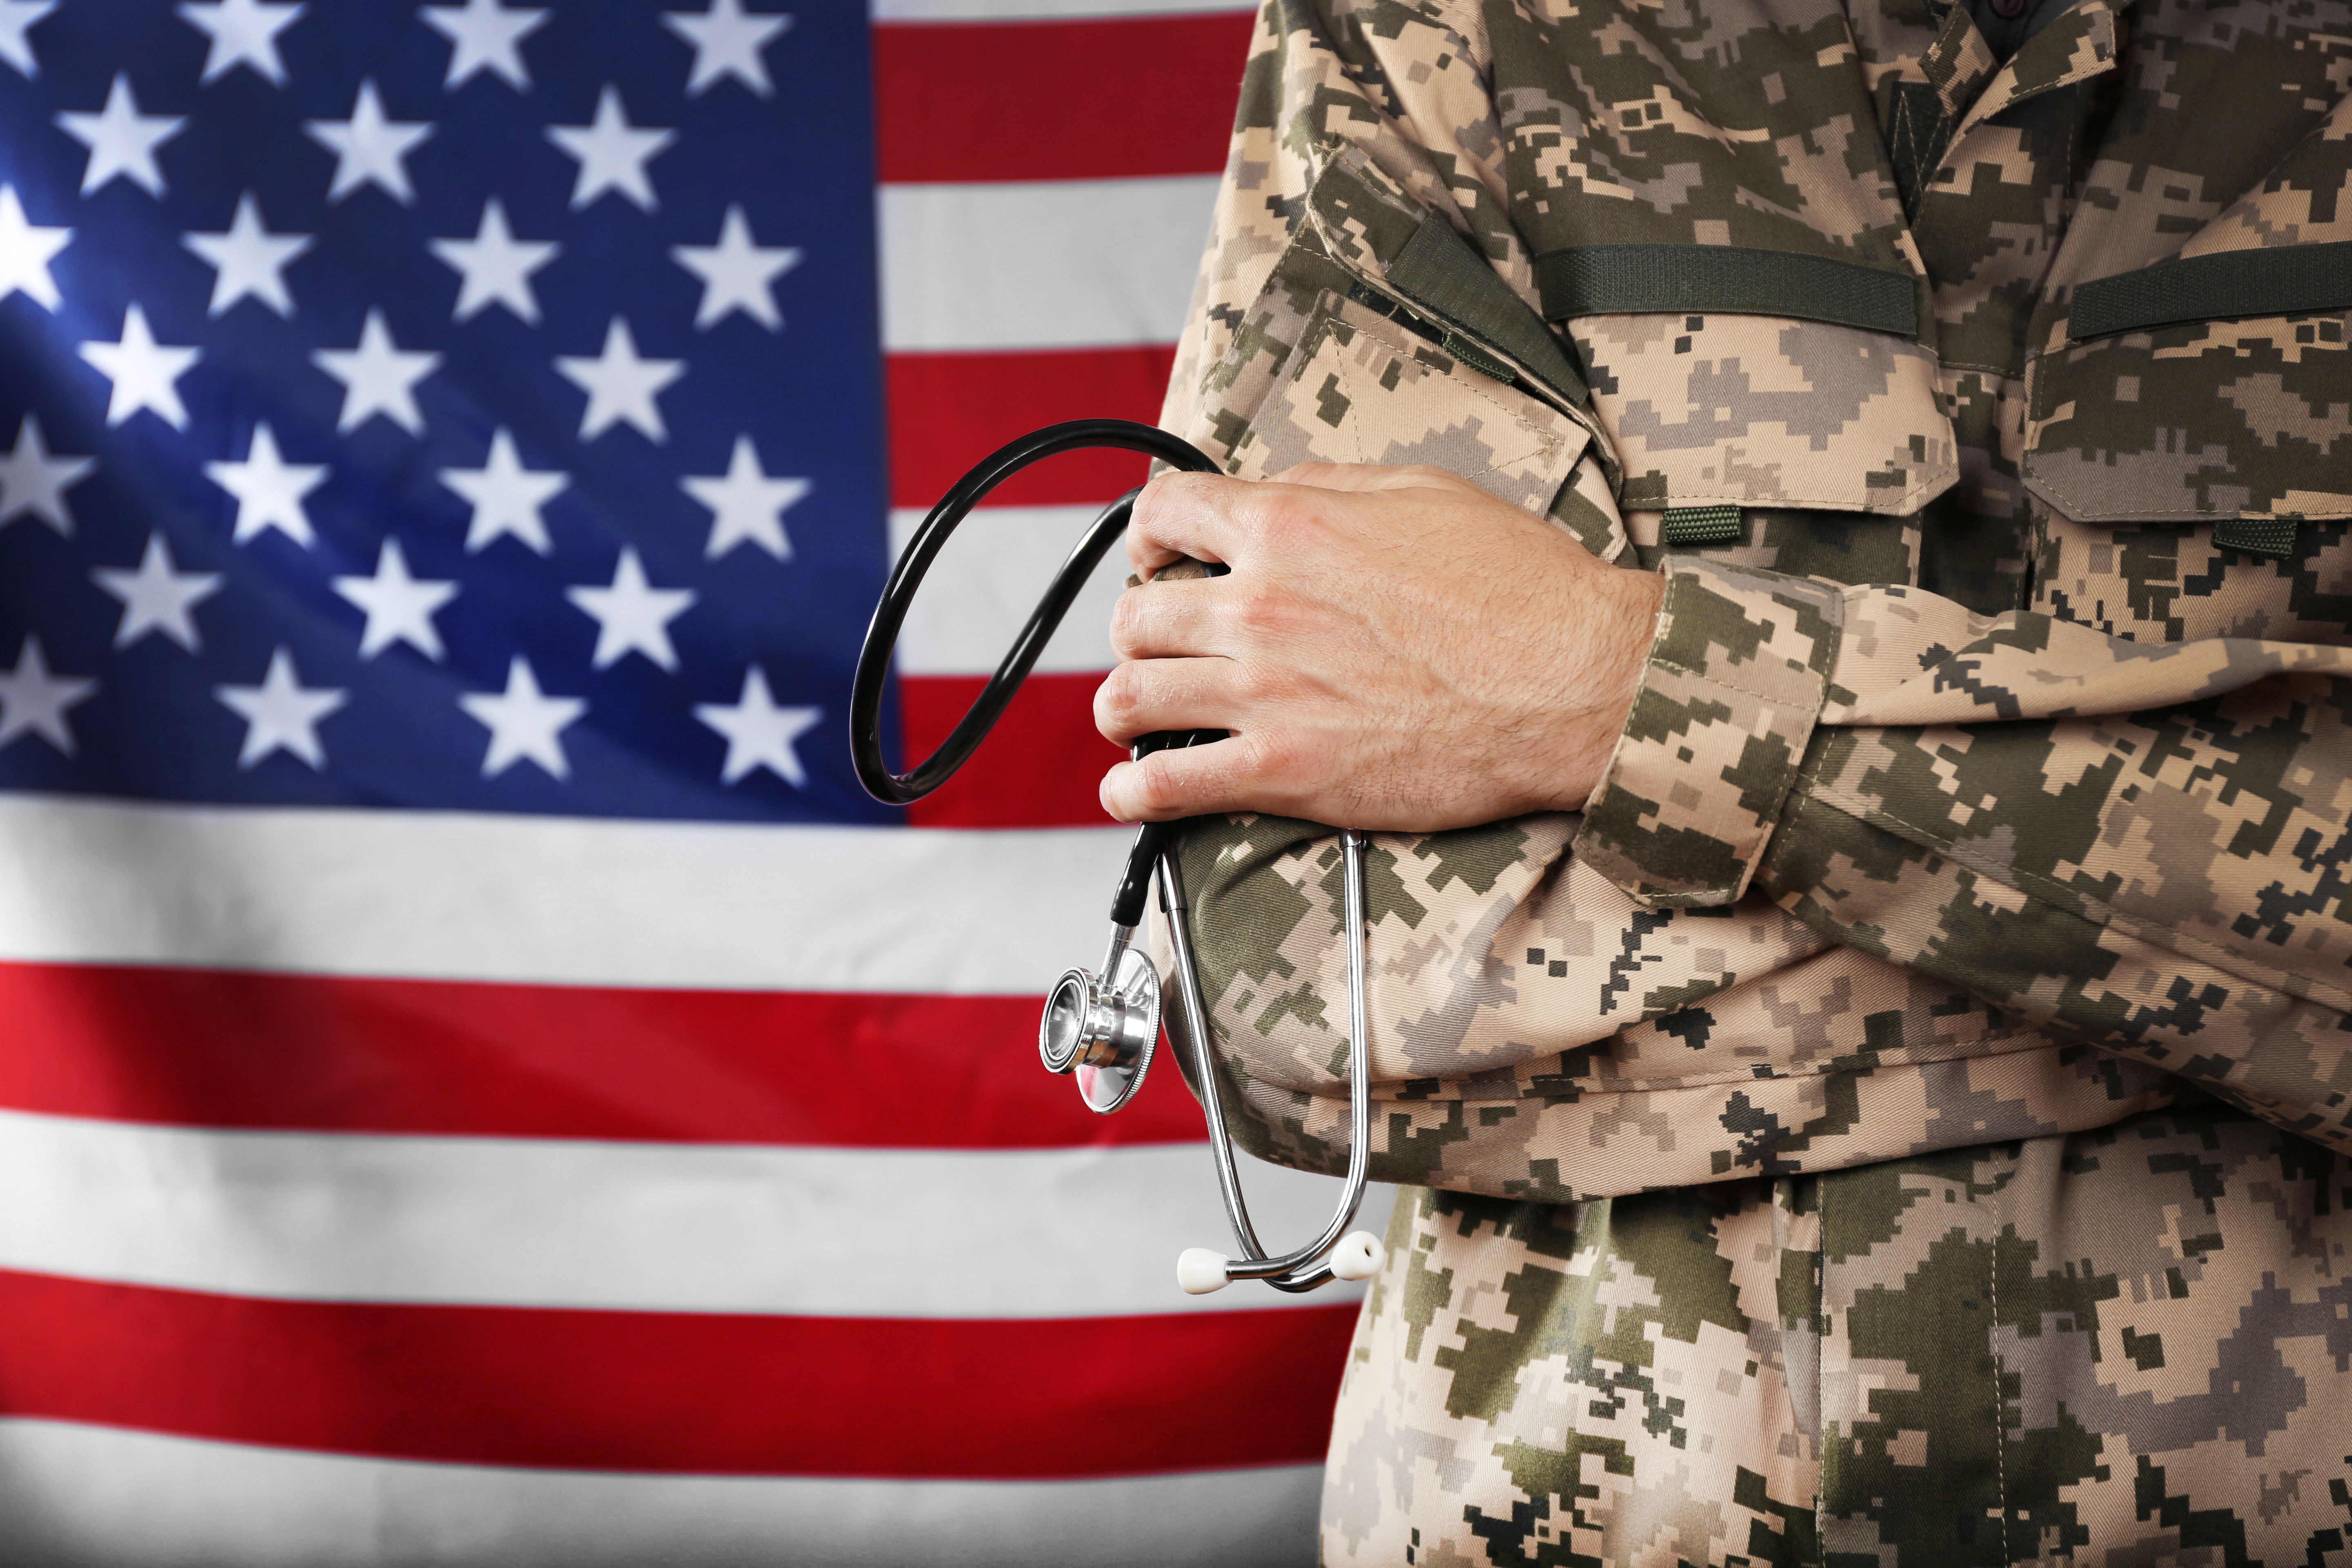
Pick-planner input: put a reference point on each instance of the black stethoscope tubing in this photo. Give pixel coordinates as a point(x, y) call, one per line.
point(907, 576)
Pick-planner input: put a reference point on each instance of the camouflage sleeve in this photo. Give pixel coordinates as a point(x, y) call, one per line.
point(1401, 85)
point(2140, 844)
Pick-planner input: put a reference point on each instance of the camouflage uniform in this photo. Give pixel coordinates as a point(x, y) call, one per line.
point(1904, 1118)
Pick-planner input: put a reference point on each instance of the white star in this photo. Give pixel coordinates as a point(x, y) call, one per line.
point(33, 700)
point(612, 153)
point(485, 34)
point(746, 504)
point(269, 489)
point(281, 714)
point(759, 734)
point(25, 251)
point(141, 371)
point(726, 43)
point(497, 266)
point(156, 598)
point(249, 259)
point(619, 385)
point(368, 148)
point(243, 32)
point(399, 606)
point(631, 616)
point(506, 495)
point(736, 273)
point(33, 482)
point(16, 16)
point(121, 140)
point(524, 723)
point(378, 378)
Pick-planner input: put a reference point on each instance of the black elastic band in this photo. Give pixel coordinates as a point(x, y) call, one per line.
point(2280, 280)
point(1627, 280)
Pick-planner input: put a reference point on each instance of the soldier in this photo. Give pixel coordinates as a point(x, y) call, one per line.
point(1825, 548)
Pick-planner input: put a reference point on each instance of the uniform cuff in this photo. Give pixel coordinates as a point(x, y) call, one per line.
point(1733, 686)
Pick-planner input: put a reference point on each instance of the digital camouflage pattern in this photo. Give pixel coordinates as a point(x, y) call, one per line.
point(1822, 1136)
point(1959, 1358)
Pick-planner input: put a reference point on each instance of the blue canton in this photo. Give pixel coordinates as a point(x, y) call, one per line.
point(460, 407)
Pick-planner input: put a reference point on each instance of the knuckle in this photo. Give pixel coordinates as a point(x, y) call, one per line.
point(1129, 617)
point(1258, 609)
point(1157, 790)
point(1282, 519)
point(1117, 698)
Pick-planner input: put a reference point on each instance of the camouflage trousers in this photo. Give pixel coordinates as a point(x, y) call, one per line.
point(2129, 1347)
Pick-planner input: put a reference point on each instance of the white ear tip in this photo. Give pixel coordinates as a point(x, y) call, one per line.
point(1357, 1255)
point(1200, 1270)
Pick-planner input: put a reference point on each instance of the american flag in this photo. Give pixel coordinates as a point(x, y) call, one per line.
point(480, 1082)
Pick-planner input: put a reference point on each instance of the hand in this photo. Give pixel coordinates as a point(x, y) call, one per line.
point(1395, 649)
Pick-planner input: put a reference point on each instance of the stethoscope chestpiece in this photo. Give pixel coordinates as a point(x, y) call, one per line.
point(1103, 1029)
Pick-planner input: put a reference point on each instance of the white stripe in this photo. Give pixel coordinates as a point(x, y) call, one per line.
point(645, 1227)
point(988, 579)
point(1043, 264)
point(86, 1496)
point(1025, 10)
point(551, 900)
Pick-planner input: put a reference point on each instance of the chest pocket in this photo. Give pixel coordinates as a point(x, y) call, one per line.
point(1804, 442)
point(2192, 445)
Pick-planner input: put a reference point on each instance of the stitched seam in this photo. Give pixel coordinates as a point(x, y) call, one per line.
point(1785, 704)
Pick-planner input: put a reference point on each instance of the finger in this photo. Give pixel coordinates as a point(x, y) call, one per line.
point(1181, 515)
point(1145, 696)
point(1216, 775)
point(1167, 619)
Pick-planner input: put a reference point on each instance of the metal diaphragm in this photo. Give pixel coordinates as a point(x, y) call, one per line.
point(1102, 1033)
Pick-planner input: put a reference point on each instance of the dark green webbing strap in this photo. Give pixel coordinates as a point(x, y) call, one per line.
point(2274, 538)
point(1438, 270)
point(1625, 280)
point(2280, 280)
point(1700, 525)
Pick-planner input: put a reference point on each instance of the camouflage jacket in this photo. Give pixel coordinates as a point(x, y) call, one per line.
point(1986, 791)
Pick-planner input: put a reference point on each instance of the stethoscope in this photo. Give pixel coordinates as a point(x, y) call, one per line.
point(1100, 1025)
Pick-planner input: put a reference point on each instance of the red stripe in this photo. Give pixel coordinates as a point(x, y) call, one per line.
point(202, 1047)
point(709, 1394)
point(1038, 768)
point(1100, 98)
point(950, 410)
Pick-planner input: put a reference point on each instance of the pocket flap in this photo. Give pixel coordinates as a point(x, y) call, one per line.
point(2196, 421)
point(1363, 388)
point(1767, 411)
